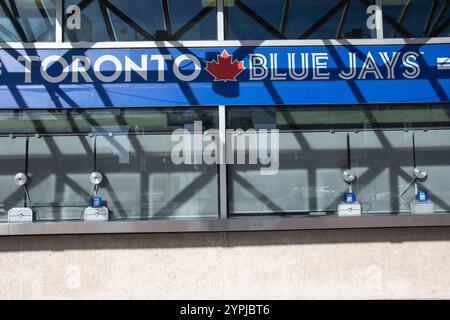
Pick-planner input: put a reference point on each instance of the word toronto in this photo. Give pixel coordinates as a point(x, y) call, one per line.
point(296, 66)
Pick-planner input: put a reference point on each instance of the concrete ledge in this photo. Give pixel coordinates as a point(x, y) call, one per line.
point(231, 224)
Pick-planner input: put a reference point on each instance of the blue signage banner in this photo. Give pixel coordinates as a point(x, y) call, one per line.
point(84, 78)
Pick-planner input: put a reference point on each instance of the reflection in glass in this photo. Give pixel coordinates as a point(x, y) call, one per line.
point(313, 156)
point(297, 19)
point(27, 21)
point(140, 120)
point(12, 161)
point(309, 177)
point(58, 170)
point(433, 155)
point(143, 182)
point(131, 148)
point(328, 117)
point(139, 20)
point(383, 163)
point(416, 18)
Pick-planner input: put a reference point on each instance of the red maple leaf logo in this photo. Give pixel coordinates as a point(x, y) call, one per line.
point(225, 69)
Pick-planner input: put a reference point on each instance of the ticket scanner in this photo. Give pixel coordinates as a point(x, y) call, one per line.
point(21, 214)
point(349, 206)
point(421, 204)
point(96, 211)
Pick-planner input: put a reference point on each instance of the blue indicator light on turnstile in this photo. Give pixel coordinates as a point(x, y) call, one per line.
point(96, 202)
point(349, 197)
point(422, 196)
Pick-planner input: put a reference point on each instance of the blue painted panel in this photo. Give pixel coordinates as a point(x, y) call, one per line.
point(418, 73)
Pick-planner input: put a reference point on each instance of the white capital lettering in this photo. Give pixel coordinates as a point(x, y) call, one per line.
point(390, 63)
point(352, 65)
point(410, 62)
point(305, 66)
point(76, 68)
point(258, 66)
point(161, 58)
point(140, 70)
point(370, 66)
point(320, 61)
point(177, 63)
point(117, 68)
point(49, 61)
point(274, 74)
point(28, 60)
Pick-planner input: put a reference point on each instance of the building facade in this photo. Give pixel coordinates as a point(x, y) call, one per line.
point(225, 115)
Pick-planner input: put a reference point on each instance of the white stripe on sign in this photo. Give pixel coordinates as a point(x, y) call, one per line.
point(443, 63)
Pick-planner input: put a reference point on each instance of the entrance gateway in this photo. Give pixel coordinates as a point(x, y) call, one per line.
point(224, 76)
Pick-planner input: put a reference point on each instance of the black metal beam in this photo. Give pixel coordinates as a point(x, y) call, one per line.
point(45, 16)
point(128, 20)
point(402, 16)
point(188, 25)
point(342, 21)
point(82, 5)
point(14, 9)
point(431, 13)
point(166, 16)
point(25, 23)
point(441, 28)
point(107, 20)
point(284, 16)
point(263, 23)
point(42, 10)
point(400, 29)
point(439, 16)
point(14, 22)
point(327, 16)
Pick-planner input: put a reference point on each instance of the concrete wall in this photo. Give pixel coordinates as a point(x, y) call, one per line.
point(377, 263)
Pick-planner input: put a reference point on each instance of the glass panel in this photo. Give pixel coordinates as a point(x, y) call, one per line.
point(132, 148)
point(12, 161)
point(193, 20)
point(27, 21)
point(416, 18)
point(383, 163)
point(306, 166)
point(82, 121)
point(313, 155)
point(305, 14)
point(342, 117)
point(137, 20)
point(59, 169)
point(143, 182)
point(297, 19)
point(309, 178)
point(433, 156)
